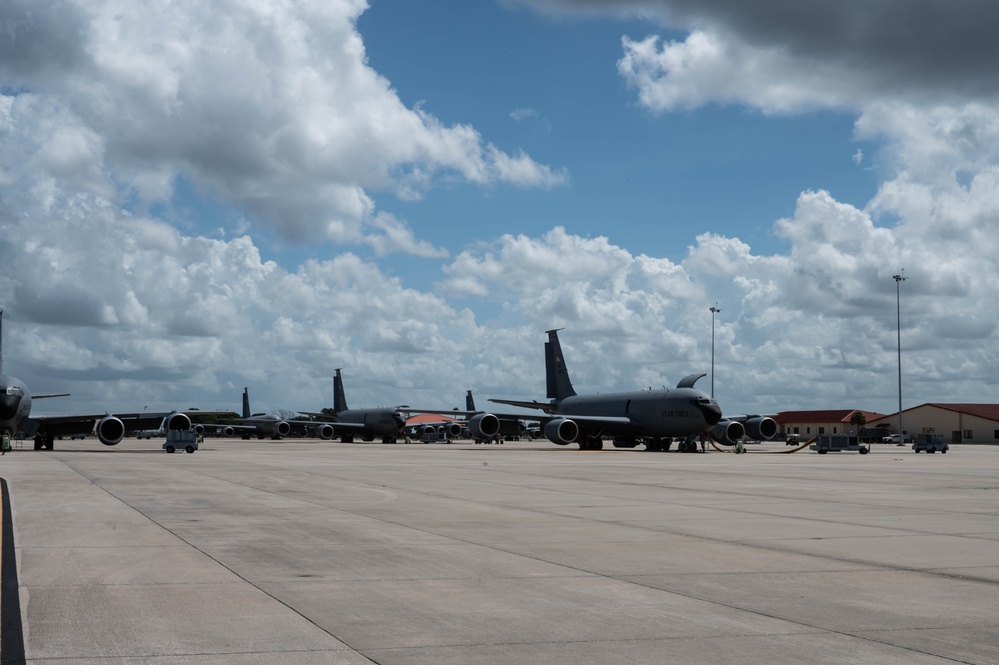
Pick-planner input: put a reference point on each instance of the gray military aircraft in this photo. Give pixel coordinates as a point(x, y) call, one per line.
point(389, 423)
point(510, 429)
point(15, 416)
point(272, 426)
point(263, 426)
point(655, 417)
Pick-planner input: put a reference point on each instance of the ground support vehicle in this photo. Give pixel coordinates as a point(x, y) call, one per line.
point(181, 440)
point(930, 443)
point(838, 443)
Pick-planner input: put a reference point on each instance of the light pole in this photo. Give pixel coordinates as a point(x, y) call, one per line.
point(714, 310)
point(898, 321)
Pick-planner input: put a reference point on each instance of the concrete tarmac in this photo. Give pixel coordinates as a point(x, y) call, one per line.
point(303, 552)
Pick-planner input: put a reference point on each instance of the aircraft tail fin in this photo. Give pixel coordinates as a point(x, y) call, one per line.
point(469, 402)
point(339, 399)
point(246, 402)
point(559, 385)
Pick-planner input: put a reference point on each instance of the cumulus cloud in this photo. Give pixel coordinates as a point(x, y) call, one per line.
point(274, 109)
point(271, 108)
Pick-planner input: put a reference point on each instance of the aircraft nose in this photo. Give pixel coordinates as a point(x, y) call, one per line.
point(9, 405)
point(712, 412)
point(400, 422)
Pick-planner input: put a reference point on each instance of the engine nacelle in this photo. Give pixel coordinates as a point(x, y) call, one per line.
point(483, 426)
point(227, 431)
point(728, 432)
point(561, 431)
point(325, 431)
point(282, 428)
point(177, 422)
point(453, 430)
point(761, 428)
point(199, 428)
point(110, 430)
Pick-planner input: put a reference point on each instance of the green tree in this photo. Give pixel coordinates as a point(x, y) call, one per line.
point(858, 420)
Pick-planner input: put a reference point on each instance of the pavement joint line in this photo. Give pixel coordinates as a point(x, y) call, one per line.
point(810, 629)
point(348, 648)
point(748, 543)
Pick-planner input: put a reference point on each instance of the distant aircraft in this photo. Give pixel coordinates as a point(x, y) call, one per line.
point(389, 423)
point(654, 417)
point(15, 416)
point(263, 426)
point(510, 429)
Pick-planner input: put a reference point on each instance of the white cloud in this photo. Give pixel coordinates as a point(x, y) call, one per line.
point(274, 108)
point(271, 108)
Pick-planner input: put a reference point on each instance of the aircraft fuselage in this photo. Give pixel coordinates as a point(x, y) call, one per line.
point(377, 422)
point(656, 413)
point(15, 403)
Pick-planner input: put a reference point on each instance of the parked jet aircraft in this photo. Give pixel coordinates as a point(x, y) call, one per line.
point(386, 422)
point(269, 425)
point(15, 415)
point(653, 416)
point(510, 429)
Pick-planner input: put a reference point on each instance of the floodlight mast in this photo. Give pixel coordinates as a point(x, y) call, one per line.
point(898, 321)
point(714, 310)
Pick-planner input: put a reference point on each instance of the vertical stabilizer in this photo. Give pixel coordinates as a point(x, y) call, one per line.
point(469, 402)
point(559, 385)
point(339, 400)
point(246, 402)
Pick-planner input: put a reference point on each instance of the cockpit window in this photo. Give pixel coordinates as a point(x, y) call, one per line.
point(15, 390)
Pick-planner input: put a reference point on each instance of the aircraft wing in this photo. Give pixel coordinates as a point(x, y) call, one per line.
point(327, 419)
point(59, 425)
point(533, 404)
point(614, 421)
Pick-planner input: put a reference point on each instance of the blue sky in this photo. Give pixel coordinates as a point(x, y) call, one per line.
point(648, 181)
point(200, 198)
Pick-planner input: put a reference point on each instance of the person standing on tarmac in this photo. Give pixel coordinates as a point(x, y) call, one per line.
point(5, 444)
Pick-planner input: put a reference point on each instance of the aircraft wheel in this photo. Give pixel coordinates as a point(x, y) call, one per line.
point(170, 449)
point(943, 452)
point(189, 449)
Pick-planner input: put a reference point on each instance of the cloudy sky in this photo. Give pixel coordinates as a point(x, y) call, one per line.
point(197, 197)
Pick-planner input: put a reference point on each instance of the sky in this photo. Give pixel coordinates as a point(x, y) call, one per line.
point(197, 197)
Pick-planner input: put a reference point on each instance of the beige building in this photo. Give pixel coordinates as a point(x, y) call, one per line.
point(957, 423)
point(808, 424)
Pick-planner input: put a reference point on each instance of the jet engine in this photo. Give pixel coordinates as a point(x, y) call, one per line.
point(453, 430)
point(324, 431)
point(110, 430)
point(227, 431)
point(561, 431)
point(761, 428)
point(728, 432)
point(177, 422)
point(281, 428)
point(483, 426)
